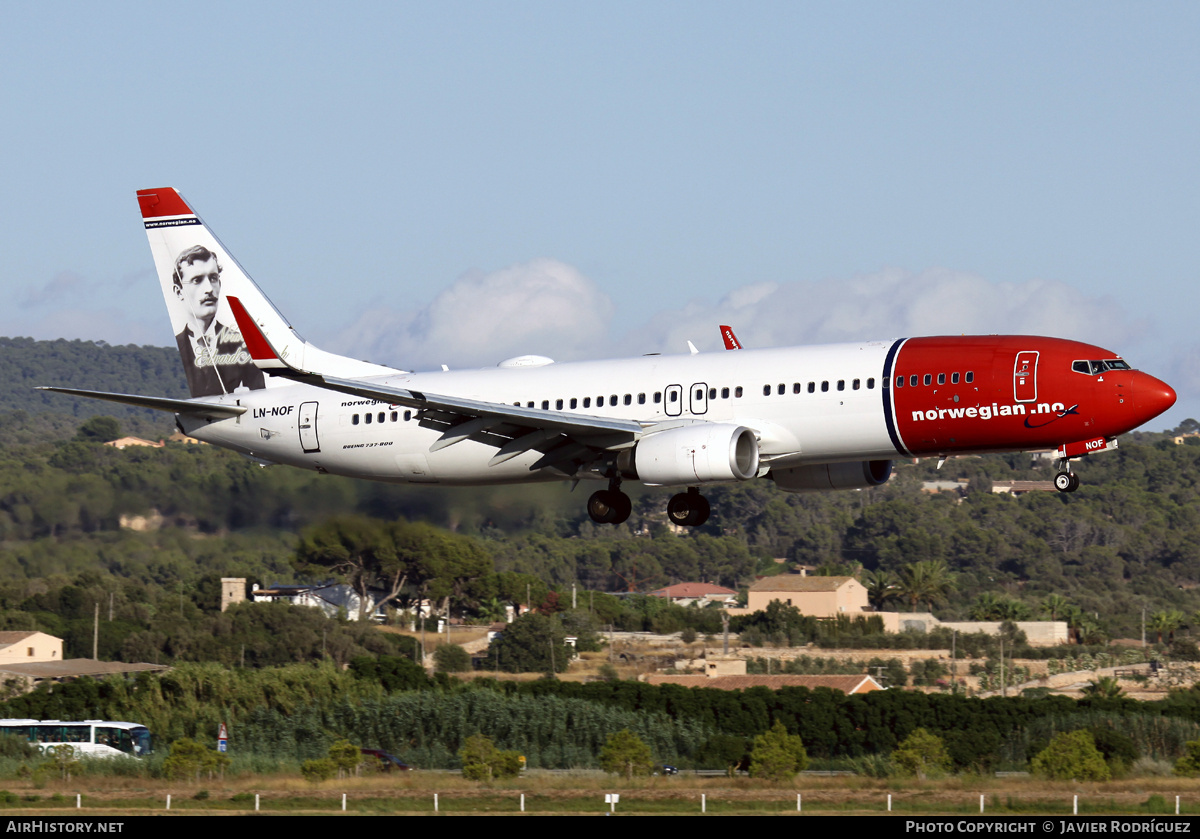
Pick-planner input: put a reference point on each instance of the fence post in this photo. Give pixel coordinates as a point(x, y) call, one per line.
point(1075, 807)
point(703, 804)
point(522, 802)
point(256, 802)
point(343, 802)
point(168, 801)
point(981, 803)
point(798, 803)
point(889, 802)
point(79, 802)
point(435, 807)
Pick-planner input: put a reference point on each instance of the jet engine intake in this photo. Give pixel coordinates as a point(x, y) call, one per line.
point(820, 477)
point(694, 454)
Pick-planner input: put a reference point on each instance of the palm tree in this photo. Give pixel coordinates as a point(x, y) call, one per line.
point(881, 587)
point(1055, 605)
point(1106, 687)
point(1166, 621)
point(926, 581)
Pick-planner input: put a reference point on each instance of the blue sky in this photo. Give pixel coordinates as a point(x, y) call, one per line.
point(422, 183)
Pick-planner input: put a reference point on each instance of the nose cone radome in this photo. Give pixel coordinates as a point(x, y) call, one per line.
point(1152, 397)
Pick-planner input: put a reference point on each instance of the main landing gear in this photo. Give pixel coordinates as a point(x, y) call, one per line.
point(688, 509)
point(609, 506)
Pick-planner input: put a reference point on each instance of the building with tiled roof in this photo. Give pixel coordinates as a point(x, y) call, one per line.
point(699, 593)
point(846, 684)
point(821, 597)
point(28, 646)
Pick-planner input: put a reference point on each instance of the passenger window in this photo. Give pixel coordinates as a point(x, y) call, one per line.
point(899, 381)
point(530, 405)
point(871, 384)
point(382, 416)
point(657, 396)
point(928, 379)
point(587, 401)
point(674, 396)
point(712, 393)
point(781, 389)
point(628, 399)
point(766, 390)
point(367, 418)
point(612, 400)
point(724, 393)
point(857, 384)
point(737, 392)
point(970, 376)
point(395, 415)
point(354, 420)
point(841, 384)
point(796, 387)
point(812, 387)
point(953, 378)
point(824, 387)
point(912, 381)
point(558, 403)
point(641, 399)
point(574, 403)
point(941, 378)
point(407, 416)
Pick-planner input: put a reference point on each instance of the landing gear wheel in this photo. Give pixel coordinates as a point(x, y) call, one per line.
point(1066, 482)
point(609, 506)
point(688, 509)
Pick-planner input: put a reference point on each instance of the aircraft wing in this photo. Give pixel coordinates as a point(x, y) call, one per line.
point(560, 437)
point(209, 410)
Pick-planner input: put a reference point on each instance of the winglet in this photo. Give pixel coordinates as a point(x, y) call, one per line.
point(264, 355)
point(731, 341)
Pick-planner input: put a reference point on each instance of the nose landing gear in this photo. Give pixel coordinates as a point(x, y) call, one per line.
point(688, 509)
point(1066, 480)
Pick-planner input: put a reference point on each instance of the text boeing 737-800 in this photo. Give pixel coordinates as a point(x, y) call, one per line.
point(808, 418)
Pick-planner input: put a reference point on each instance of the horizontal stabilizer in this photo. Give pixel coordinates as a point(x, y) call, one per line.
point(210, 410)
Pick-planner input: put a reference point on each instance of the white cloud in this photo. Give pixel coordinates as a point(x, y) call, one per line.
point(542, 306)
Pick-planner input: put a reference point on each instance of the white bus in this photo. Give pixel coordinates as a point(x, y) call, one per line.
point(93, 738)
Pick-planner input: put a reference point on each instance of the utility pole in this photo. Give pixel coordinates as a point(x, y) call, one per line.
point(96, 634)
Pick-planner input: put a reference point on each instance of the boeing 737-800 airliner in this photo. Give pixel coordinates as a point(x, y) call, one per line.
point(808, 418)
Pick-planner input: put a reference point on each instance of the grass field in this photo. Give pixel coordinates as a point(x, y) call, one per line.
point(585, 793)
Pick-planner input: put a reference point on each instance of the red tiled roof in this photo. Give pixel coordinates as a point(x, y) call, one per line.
point(692, 590)
point(846, 684)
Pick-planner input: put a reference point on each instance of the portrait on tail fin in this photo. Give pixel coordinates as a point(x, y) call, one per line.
point(215, 359)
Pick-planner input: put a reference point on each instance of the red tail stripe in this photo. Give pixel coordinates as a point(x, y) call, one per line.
point(162, 202)
point(256, 342)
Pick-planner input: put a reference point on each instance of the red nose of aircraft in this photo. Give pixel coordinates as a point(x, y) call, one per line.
point(1151, 397)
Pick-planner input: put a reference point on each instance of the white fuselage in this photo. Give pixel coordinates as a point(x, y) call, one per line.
point(837, 415)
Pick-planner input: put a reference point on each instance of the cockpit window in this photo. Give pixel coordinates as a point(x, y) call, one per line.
point(1095, 368)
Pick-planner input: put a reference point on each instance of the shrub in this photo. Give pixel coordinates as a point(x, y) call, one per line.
point(321, 769)
point(624, 753)
point(1071, 755)
point(921, 754)
point(777, 755)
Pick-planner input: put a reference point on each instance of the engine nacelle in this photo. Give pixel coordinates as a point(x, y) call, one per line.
point(821, 477)
point(695, 454)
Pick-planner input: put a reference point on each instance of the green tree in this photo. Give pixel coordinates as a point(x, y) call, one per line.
point(320, 769)
point(451, 658)
point(532, 643)
point(921, 753)
point(1105, 687)
point(1071, 755)
point(1188, 765)
point(927, 581)
point(777, 755)
point(188, 759)
point(482, 761)
point(99, 430)
point(345, 756)
point(624, 753)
